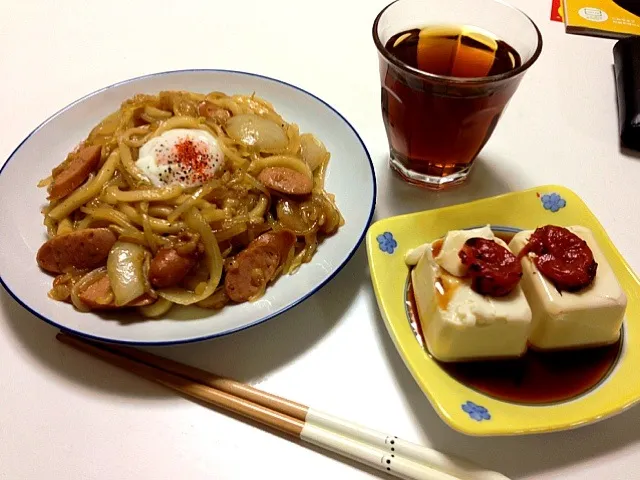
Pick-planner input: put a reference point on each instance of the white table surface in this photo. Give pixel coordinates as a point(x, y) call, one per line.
point(64, 415)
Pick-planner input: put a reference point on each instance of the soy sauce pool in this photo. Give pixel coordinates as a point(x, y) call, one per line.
point(537, 378)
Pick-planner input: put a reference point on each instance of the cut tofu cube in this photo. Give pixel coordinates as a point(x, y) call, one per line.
point(562, 320)
point(459, 324)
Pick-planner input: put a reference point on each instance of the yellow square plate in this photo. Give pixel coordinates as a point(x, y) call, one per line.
point(467, 409)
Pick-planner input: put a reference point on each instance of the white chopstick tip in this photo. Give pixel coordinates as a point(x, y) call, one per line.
point(454, 466)
point(370, 455)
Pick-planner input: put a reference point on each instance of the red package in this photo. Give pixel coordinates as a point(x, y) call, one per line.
point(556, 10)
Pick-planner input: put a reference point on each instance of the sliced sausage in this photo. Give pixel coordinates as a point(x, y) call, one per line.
point(84, 162)
point(253, 268)
point(209, 110)
point(281, 240)
point(562, 257)
point(494, 270)
point(286, 180)
point(82, 249)
point(168, 267)
point(249, 273)
point(99, 296)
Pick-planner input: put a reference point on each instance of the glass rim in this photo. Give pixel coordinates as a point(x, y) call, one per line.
point(451, 79)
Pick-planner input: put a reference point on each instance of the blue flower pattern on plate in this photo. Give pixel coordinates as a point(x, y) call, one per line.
point(386, 242)
point(477, 412)
point(553, 202)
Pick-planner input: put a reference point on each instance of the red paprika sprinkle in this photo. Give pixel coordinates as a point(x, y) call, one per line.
point(194, 164)
point(188, 160)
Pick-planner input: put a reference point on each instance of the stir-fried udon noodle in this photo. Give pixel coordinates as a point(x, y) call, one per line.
point(185, 198)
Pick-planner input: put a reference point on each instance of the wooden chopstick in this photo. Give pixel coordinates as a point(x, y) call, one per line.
point(384, 452)
point(227, 385)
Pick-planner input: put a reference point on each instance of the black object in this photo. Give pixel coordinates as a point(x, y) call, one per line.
point(626, 61)
point(632, 6)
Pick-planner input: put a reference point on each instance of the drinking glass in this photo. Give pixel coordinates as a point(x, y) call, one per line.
point(436, 124)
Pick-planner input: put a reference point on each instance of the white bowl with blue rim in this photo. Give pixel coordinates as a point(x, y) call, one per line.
point(48, 145)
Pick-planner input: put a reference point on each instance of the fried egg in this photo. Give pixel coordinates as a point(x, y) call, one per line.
point(186, 157)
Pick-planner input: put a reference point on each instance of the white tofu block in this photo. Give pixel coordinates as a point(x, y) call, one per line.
point(460, 324)
point(449, 258)
point(561, 320)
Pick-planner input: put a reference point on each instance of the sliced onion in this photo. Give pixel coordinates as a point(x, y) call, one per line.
point(213, 259)
point(125, 267)
point(313, 151)
point(285, 161)
point(290, 217)
point(216, 301)
point(254, 131)
point(156, 309)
